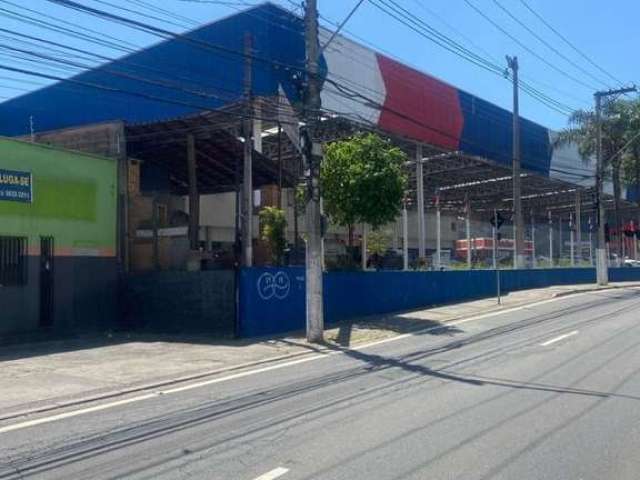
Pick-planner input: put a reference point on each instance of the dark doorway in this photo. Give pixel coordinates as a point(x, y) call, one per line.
point(46, 281)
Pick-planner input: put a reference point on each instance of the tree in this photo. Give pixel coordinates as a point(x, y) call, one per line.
point(363, 181)
point(378, 242)
point(617, 127)
point(272, 230)
point(631, 155)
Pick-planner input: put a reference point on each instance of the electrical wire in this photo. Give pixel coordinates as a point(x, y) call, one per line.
point(369, 101)
point(570, 44)
point(548, 45)
point(527, 48)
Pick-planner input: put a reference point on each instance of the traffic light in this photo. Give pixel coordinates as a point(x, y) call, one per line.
point(497, 220)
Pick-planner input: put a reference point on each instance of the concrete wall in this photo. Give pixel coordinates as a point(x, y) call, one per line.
point(74, 201)
point(85, 297)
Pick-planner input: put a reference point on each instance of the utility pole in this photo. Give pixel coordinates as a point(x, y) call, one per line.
point(438, 233)
point(550, 240)
point(578, 227)
point(467, 223)
point(602, 259)
point(518, 258)
point(591, 242)
point(420, 201)
point(533, 241)
point(495, 226)
point(312, 153)
point(194, 196)
point(247, 181)
point(571, 240)
point(363, 257)
point(405, 236)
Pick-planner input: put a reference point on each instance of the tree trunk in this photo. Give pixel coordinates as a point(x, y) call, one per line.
point(350, 236)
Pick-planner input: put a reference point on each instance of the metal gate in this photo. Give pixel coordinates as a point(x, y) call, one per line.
point(46, 281)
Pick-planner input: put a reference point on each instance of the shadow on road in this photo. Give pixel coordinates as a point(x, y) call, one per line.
point(323, 403)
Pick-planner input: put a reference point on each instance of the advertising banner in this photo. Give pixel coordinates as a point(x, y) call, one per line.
point(15, 186)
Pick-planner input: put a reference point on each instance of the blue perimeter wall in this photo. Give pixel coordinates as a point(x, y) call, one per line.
point(272, 300)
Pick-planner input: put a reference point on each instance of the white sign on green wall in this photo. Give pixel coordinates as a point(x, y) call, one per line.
point(16, 186)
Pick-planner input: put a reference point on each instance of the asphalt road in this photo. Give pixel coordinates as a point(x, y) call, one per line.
point(551, 391)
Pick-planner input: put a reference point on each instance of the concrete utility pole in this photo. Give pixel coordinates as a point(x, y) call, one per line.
point(247, 181)
point(578, 227)
point(405, 236)
point(365, 232)
point(312, 156)
point(533, 241)
point(602, 258)
point(420, 202)
point(518, 258)
point(591, 241)
point(438, 233)
point(571, 240)
point(496, 266)
point(467, 220)
point(550, 240)
point(634, 240)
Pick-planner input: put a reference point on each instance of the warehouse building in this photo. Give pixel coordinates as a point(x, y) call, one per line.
point(57, 240)
point(150, 106)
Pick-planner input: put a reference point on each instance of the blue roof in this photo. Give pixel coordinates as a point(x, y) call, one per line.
point(201, 69)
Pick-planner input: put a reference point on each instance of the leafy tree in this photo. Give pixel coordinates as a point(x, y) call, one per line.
point(618, 122)
point(363, 181)
point(631, 155)
point(273, 223)
point(378, 242)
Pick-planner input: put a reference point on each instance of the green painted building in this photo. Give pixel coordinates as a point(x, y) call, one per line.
point(58, 215)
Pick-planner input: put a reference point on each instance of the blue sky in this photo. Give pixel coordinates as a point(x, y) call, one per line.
point(608, 36)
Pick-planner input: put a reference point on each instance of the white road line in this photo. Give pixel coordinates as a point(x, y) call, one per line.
point(325, 353)
point(97, 408)
point(273, 474)
point(557, 339)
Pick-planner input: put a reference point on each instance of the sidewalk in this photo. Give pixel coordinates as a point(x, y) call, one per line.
point(48, 375)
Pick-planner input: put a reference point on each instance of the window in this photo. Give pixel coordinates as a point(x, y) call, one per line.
point(13, 261)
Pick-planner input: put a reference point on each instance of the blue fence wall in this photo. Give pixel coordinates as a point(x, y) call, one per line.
point(272, 300)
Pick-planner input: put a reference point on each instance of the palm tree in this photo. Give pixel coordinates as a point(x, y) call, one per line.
point(618, 125)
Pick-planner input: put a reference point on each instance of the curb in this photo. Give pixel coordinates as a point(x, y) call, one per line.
point(198, 376)
point(594, 289)
point(154, 385)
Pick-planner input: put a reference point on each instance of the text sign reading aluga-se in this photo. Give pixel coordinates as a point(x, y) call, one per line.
point(15, 186)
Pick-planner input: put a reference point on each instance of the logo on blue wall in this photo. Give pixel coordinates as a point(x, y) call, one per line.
point(15, 186)
point(274, 285)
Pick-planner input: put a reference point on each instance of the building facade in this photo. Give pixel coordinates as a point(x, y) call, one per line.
point(58, 267)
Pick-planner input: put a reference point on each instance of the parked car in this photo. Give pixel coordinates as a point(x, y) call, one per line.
point(629, 262)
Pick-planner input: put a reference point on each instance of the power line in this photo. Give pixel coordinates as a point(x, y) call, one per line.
point(136, 12)
point(113, 42)
point(403, 16)
point(526, 48)
point(160, 99)
point(566, 40)
point(547, 44)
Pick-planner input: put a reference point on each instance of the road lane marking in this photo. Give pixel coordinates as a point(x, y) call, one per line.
point(557, 339)
point(97, 408)
point(273, 474)
point(324, 354)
